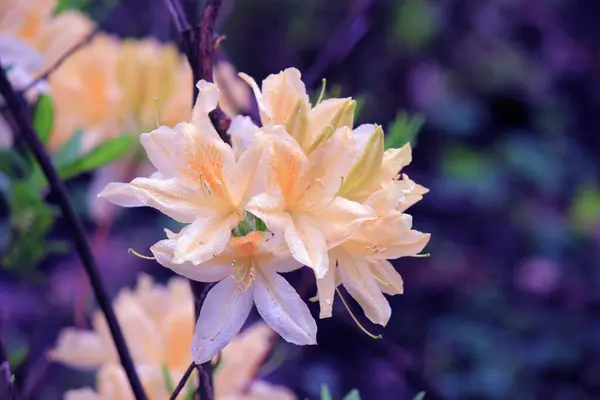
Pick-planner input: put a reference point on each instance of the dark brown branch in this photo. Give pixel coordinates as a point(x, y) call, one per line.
point(198, 45)
point(17, 108)
point(183, 381)
point(63, 58)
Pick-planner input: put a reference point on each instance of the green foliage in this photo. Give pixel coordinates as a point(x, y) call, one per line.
point(17, 356)
point(353, 395)
point(43, 117)
point(413, 24)
point(168, 379)
point(404, 130)
point(326, 394)
point(31, 220)
point(585, 208)
point(99, 156)
point(420, 396)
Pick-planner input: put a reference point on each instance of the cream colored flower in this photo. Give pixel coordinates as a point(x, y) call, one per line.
point(198, 181)
point(235, 94)
point(283, 101)
point(247, 273)
point(240, 360)
point(157, 323)
point(300, 201)
point(360, 263)
point(87, 95)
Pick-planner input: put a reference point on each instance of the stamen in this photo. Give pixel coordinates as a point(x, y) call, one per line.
point(362, 328)
point(243, 275)
point(424, 255)
point(375, 249)
point(135, 253)
point(322, 94)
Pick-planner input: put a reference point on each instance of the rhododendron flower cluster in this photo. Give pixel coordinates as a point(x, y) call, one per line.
point(303, 189)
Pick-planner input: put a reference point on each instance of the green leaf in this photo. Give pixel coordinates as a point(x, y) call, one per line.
point(17, 356)
point(43, 117)
point(13, 164)
point(404, 130)
point(70, 151)
point(420, 396)
point(325, 393)
point(585, 209)
point(168, 379)
point(99, 156)
point(353, 395)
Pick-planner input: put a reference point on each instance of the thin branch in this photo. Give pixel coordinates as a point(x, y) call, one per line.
point(16, 106)
point(83, 42)
point(183, 381)
point(198, 45)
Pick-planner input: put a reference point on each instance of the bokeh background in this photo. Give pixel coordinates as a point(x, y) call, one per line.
point(508, 304)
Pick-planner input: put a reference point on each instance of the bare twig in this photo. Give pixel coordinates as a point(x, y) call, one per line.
point(198, 45)
point(183, 381)
point(63, 58)
point(17, 107)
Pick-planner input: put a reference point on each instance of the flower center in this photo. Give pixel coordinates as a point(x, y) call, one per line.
point(244, 273)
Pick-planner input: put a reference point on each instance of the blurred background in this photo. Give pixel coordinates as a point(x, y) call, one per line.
point(508, 95)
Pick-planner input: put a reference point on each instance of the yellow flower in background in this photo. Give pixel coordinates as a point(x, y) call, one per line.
point(158, 324)
point(34, 22)
point(87, 94)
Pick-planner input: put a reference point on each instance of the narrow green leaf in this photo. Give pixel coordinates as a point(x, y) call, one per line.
point(325, 393)
point(353, 395)
point(404, 130)
point(420, 396)
point(168, 380)
point(101, 155)
point(17, 356)
point(43, 117)
point(70, 151)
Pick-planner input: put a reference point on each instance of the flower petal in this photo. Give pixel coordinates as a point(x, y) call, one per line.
point(166, 195)
point(324, 113)
point(207, 100)
point(81, 394)
point(363, 287)
point(390, 281)
point(283, 309)
point(282, 92)
point(242, 131)
point(165, 148)
point(394, 160)
point(326, 290)
point(223, 314)
point(340, 219)
point(307, 244)
point(205, 238)
point(409, 244)
point(72, 343)
point(210, 271)
point(264, 108)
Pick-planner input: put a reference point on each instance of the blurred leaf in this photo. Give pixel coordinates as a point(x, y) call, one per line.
point(70, 151)
point(168, 379)
point(585, 209)
point(31, 219)
point(101, 155)
point(325, 393)
point(64, 5)
point(353, 395)
point(414, 23)
point(420, 396)
point(404, 130)
point(43, 117)
point(13, 164)
point(17, 356)
point(463, 163)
